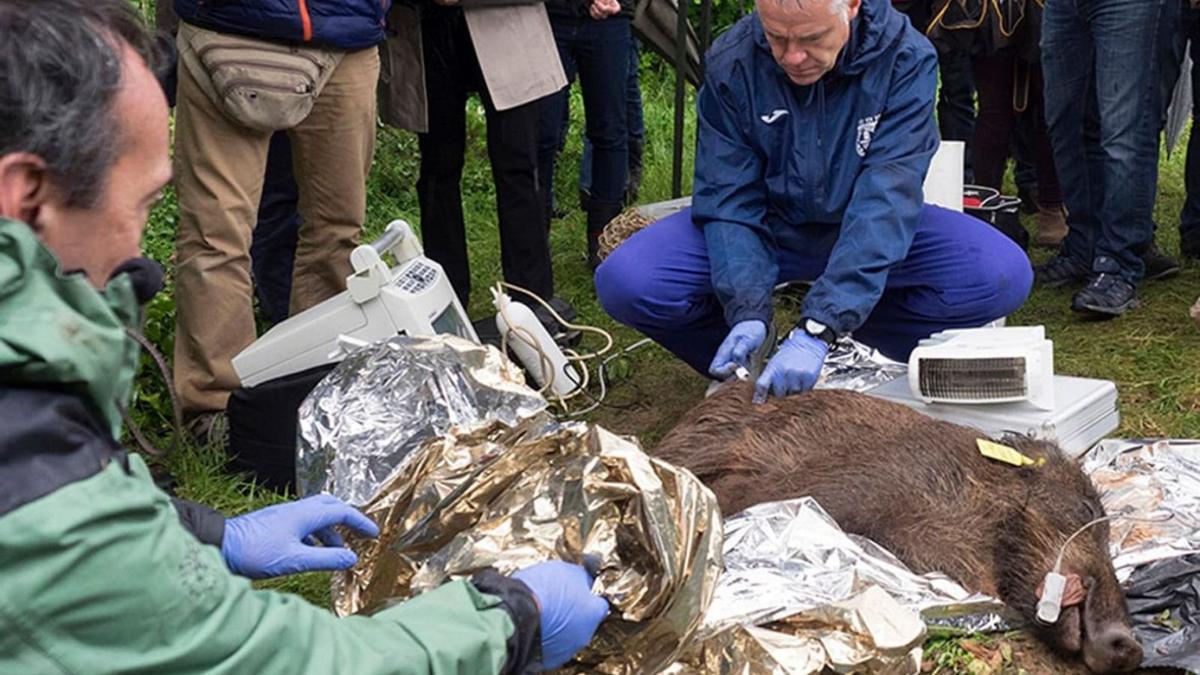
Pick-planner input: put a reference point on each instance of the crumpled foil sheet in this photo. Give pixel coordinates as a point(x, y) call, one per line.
point(360, 424)
point(507, 497)
point(782, 558)
point(854, 366)
point(866, 633)
point(1155, 485)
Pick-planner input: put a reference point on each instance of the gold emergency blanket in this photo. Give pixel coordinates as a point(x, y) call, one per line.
point(507, 497)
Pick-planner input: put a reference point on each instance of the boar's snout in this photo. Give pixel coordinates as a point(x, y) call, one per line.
point(1114, 650)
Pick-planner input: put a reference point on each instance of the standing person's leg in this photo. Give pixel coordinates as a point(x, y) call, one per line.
point(443, 147)
point(1189, 217)
point(635, 122)
point(332, 152)
point(1128, 94)
point(218, 178)
point(959, 273)
point(1051, 221)
point(956, 103)
point(1067, 68)
point(994, 123)
point(603, 60)
point(524, 225)
point(554, 113)
point(273, 248)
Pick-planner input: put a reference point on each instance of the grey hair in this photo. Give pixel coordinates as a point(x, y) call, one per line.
point(838, 7)
point(60, 71)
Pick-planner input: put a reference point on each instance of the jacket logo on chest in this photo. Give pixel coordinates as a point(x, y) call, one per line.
point(774, 115)
point(866, 129)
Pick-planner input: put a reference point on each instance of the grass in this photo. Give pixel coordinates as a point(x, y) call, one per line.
point(1150, 353)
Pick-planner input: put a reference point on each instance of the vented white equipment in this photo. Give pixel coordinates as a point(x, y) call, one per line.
point(984, 365)
point(412, 298)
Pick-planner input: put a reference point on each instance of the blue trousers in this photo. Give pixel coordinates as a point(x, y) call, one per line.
point(273, 248)
point(959, 273)
point(599, 52)
point(1102, 69)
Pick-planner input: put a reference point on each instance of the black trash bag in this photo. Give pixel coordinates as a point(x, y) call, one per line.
point(1164, 601)
point(1001, 211)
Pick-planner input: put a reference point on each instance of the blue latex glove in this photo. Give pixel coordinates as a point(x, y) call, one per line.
point(794, 368)
point(570, 612)
point(743, 339)
point(282, 539)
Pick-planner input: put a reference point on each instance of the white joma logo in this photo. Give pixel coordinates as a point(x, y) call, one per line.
point(775, 114)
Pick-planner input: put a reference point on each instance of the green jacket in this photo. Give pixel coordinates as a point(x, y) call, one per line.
point(97, 574)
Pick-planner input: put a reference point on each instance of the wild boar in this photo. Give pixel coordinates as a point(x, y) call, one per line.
point(921, 488)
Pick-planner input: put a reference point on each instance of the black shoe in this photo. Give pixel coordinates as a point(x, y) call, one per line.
point(561, 334)
point(1106, 295)
point(1158, 266)
point(1062, 270)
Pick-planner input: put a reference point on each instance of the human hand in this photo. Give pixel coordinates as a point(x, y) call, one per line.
point(602, 9)
point(735, 351)
point(281, 539)
point(570, 612)
point(794, 368)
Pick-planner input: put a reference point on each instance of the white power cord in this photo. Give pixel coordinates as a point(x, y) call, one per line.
point(580, 375)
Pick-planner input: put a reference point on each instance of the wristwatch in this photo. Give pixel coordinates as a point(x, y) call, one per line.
point(818, 330)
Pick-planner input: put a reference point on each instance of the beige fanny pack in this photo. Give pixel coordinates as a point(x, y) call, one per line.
point(263, 85)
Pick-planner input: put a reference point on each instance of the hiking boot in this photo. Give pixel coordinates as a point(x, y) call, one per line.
point(209, 429)
point(1106, 295)
point(1062, 270)
point(1158, 266)
point(1051, 227)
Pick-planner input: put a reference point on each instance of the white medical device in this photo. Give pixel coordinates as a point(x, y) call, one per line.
point(984, 365)
point(412, 298)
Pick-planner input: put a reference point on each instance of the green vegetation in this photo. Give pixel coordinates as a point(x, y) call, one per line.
point(1151, 353)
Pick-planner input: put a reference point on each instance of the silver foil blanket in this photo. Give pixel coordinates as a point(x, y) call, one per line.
point(360, 424)
point(1154, 487)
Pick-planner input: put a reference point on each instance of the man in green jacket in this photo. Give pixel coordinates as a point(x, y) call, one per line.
point(100, 571)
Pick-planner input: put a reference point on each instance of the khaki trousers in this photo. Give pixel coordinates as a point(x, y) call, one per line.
point(219, 167)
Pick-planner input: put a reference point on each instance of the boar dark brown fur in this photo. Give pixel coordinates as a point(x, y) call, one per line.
point(920, 488)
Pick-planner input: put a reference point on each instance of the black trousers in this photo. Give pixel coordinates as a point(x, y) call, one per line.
point(451, 74)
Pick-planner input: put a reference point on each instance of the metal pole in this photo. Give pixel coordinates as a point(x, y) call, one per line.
point(705, 31)
point(680, 64)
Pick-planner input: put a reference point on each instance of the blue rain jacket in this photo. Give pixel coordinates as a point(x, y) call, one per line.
point(342, 24)
point(837, 166)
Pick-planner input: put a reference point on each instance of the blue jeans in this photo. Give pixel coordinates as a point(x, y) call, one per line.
point(960, 272)
point(598, 51)
point(634, 119)
point(273, 248)
point(1103, 112)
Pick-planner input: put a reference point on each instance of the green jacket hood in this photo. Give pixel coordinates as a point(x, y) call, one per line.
point(57, 331)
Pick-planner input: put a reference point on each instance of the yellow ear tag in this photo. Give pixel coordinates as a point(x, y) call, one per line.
point(1003, 453)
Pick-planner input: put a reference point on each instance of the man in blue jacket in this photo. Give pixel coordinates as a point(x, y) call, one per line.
point(816, 129)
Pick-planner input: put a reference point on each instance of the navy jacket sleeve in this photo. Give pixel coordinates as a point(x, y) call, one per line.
point(730, 203)
point(885, 206)
point(204, 523)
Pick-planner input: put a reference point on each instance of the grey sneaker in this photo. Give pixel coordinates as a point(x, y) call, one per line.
point(1106, 295)
point(1061, 271)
